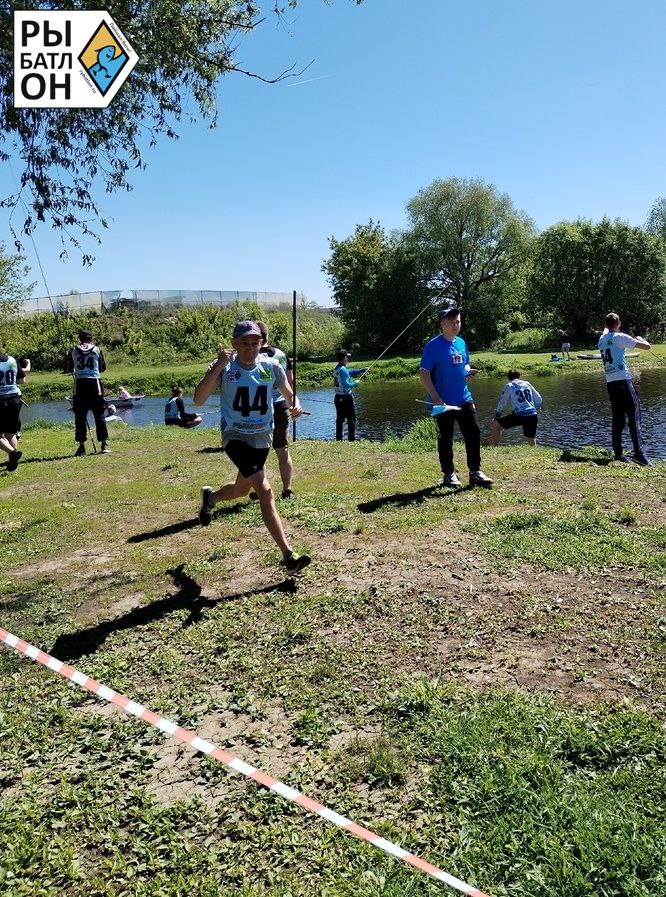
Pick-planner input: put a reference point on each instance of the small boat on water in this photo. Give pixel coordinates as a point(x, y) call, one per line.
point(118, 402)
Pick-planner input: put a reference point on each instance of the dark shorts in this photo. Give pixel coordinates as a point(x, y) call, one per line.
point(529, 423)
point(10, 408)
point(247, 459)
point(280, 425)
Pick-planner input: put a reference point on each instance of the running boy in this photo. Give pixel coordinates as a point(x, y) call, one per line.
point(625, 404)
point(518, 406)
point(245, 382)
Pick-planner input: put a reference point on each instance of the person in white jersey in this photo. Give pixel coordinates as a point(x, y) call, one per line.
point(245, 381)
point(12, 372)
point(280, 413)
point(518, 406)
point(625, 404)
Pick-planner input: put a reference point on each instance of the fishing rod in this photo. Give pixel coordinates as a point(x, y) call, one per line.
point(402, 332)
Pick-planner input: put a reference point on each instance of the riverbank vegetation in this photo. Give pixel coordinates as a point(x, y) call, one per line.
point(158, 379)
point(476, 675)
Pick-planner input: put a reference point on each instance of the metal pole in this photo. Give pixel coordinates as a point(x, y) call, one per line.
point(293, 358)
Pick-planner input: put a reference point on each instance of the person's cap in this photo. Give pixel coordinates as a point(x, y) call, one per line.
point(246, 328)
point(85, 336)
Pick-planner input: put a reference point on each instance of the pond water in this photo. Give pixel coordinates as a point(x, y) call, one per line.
point(576, 410)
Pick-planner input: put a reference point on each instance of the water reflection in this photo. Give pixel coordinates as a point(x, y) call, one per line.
point(576, 410)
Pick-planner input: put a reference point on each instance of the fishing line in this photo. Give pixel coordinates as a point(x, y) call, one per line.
point(429, 305)
point(63, 344)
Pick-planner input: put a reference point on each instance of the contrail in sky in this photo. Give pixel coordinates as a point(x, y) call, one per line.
point(308, 80)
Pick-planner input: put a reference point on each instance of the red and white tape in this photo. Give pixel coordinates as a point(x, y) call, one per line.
point(206, 747)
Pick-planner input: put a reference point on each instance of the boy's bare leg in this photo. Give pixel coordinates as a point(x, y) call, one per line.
point(496, 433)
point(269, 514)
point(286, 466)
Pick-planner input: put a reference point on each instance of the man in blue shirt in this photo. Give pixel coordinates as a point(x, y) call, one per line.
point(444, 371)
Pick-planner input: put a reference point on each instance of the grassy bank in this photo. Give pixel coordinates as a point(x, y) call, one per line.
point(476, 675)
point(158, 379)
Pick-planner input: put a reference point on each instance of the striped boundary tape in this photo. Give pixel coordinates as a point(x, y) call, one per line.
point(206, 747)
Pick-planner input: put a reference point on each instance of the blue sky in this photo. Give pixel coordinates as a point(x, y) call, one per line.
point(560, 104)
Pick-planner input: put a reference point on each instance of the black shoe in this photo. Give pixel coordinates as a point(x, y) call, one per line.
point(13, 461)
point(478, 478)
point(295, 562)
point(640, 459)
point(206, 509)
point(104, 449)
point(253, 496)
point(622, 459)
point(81, 450)
point(287, 493)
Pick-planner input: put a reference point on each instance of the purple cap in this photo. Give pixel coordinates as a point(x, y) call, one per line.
point(246, 328)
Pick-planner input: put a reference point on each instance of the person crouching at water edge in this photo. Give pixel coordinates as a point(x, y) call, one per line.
point(518, 406)
point(175, 414)
point(245, 382)
point(12, 372)
point(444, 371)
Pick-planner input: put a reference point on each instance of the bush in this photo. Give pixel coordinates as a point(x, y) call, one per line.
point(532, 339)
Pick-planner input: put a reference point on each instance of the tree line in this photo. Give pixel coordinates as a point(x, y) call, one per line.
point(467, 244)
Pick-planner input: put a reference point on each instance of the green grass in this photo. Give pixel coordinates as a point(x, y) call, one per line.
point(389, 682)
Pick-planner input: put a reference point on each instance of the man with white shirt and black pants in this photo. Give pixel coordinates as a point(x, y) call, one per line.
point(625, 404)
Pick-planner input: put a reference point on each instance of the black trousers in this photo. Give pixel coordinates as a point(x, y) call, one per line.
point(469, 427)
point(88, 397)
point(345, 411)
point(626, 408)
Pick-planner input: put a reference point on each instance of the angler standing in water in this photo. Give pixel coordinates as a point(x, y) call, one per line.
point(86, 362)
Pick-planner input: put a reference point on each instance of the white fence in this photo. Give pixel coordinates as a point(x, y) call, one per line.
point(108, 300)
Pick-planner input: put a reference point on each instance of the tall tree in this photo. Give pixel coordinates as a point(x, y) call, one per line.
point(13, 288)
point(583, 270)
point(474, 245)
point(184, 49)
point(377, 281)
point(656, 220)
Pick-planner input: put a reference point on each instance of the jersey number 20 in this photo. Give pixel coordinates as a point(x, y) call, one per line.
point(242, 400)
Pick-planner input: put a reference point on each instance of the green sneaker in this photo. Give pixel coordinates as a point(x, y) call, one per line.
point(206, 509)
point(295, 562)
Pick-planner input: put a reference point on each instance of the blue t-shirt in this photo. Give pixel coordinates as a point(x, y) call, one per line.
point(447, 362)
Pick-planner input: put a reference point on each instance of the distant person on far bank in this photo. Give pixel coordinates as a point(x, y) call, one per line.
point(565, 345)
point(124, 393)
point(175, 413)
point(625, 404)
point(345, 409)
point(518, 406)
point(86, 362)
point(12, 372)
point(444, 371)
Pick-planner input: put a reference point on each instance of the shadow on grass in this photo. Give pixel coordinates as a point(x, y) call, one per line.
point(569, 457)
point(73, 645)
point(25, 460)
point(211, 450)
point(183, 525)
point(404, 499)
